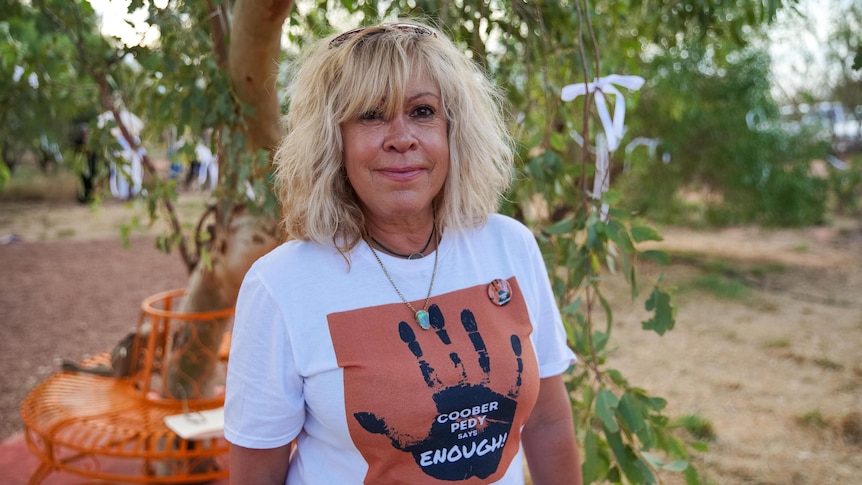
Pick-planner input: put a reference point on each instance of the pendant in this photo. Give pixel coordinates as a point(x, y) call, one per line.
point(423, 320)
point(416, 256)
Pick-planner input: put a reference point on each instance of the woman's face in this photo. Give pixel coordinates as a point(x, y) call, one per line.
point(397, 166)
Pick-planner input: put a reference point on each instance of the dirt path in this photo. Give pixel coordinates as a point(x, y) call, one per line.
point(775, 365)
point(69, 288)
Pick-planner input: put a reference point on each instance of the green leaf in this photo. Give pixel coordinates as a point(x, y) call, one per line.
point(163, 244)
point(595, 264)
point(656, 403)
point(632, 413)
point(125, 229)
point(562, 227)
point(559, 141)
point(701, 446)
point(676, 466)
point(659, 420)
point(5, 174)
point(588, 395)
point(592, 469)
point(691, 477)
point(633, 468)
point(647, 437)
point(617, 233)
point(611, 261)
point(609, 314)
point(571, 337)
point(606, 404)
point(660, 257)
point(653, 459)
point(600, 341)
point(612, 197)
point(617, 377)
point(663, 319)
point(572, 308)
point(576, 262)
point(594, 235)
point(644, 233)
point(615, 442)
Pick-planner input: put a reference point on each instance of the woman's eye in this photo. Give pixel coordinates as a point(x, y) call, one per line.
point(423, 111)
point(371, 115)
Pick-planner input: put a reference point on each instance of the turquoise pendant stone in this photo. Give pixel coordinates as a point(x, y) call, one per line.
point(423, 320)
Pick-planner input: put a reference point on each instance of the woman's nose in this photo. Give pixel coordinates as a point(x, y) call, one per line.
point(400, 136)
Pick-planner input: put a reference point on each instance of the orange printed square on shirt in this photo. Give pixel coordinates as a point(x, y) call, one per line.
point(445, 403)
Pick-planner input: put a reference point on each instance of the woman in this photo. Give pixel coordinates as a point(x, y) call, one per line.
point(377, 337)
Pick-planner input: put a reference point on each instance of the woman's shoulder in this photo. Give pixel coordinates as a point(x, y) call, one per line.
point(500, 231)
point(506, 221)
point(295, 256)
point(287, 250)
point(500, 225)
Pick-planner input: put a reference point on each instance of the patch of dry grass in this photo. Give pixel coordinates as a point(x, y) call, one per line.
point(31, 185)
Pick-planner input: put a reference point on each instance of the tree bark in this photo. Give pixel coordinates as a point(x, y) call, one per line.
point(254, 53)
point(240, 237)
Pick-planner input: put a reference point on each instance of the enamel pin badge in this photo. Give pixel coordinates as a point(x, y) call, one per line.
point(499, 292)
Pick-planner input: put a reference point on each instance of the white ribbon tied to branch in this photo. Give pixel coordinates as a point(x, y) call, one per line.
point(603, 86)
point(613, 128)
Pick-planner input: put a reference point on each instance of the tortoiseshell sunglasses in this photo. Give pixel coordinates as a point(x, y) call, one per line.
point(412, 28)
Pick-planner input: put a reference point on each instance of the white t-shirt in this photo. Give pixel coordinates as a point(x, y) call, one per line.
point(333, 358)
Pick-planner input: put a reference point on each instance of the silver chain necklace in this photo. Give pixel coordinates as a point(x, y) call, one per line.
point(422, 317)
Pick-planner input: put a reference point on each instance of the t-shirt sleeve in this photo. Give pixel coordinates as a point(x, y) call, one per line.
point(264, 405)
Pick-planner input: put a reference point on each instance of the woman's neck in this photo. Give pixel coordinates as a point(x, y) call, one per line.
point(405, 240)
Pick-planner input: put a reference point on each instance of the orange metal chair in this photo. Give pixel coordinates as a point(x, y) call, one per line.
point(112, 428)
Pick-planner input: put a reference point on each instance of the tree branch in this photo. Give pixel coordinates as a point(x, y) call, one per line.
point(255, 49)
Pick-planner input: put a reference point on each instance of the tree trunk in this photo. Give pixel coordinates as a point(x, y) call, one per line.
point(240, 238)
point(253, 57)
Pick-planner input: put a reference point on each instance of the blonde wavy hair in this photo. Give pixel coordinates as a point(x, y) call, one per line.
point(342, 77)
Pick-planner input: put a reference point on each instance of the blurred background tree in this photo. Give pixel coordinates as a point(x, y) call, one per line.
point(845, 50)
point(42, 95)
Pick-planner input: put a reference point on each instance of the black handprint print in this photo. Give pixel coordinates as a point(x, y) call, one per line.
point(473, 423)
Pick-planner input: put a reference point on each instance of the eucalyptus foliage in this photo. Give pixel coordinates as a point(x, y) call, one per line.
point(710, 107)
point(845, 51)
point(532, 49)
point(41, 94)
point(187, 93)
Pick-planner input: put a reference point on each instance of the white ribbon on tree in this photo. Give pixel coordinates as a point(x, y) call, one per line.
point(613, 128)
point(603, 86)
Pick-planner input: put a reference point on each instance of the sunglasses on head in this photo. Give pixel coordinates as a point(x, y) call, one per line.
point(411, 28)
